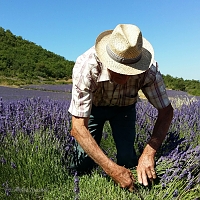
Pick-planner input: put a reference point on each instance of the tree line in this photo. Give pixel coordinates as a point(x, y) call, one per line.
point(190, 86)
point(25, 62)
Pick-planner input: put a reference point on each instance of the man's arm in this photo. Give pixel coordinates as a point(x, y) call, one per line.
point(120, 175)
point(146, 164)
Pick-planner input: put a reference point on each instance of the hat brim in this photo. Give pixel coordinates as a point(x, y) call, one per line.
point(129, 69)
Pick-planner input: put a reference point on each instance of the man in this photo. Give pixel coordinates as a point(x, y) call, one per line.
point(106, 80)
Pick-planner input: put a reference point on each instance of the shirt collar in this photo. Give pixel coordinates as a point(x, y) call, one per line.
point(104, 75)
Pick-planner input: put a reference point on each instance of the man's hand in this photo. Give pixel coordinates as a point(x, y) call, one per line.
point(123, 177)
point(145, 169)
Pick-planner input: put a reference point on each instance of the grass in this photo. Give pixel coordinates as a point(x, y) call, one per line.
point(17, 82)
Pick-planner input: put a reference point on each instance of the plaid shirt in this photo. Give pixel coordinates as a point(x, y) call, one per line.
point(92, 85)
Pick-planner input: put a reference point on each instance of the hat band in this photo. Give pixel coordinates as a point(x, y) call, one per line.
point(120, 59)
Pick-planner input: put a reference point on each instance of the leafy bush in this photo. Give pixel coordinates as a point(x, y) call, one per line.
point(190, 86)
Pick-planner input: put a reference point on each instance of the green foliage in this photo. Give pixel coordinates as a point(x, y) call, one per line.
point(24, 60)
point(190, 86)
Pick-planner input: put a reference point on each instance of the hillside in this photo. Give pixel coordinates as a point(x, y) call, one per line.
point(23, 62)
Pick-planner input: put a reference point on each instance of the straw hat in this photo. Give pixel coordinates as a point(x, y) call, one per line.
point(124, 50)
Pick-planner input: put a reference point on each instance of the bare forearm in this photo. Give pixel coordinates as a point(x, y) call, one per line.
point(161, 127)
point(89, 145)
point(145, 168)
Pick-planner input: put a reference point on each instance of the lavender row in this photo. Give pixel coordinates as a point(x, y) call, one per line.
point(49, 87)
point(13, 94)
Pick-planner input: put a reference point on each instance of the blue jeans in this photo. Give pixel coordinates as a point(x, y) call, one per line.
point(122, 122)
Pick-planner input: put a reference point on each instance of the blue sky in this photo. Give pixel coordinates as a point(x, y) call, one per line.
point(69, 27)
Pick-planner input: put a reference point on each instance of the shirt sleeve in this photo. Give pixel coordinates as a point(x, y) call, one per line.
point(154, 88)
point(85, 74)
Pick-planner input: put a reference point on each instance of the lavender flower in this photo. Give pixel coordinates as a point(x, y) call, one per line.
point(189, 185)
point(76, 186)
point(3, 160)
point(105, 135)
point(6, 188)
point(185, 166)
point(175, 194)
point(13, 165)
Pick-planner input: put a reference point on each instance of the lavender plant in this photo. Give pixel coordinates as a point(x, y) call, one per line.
point(178, 157)
point(35, 136)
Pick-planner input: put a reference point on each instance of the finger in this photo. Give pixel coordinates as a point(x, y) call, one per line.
point(153, 174)
point(139, 174)
point(144, 179)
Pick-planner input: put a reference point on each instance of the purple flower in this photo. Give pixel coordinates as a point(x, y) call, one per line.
point(6, 188)
point(189, 185)
point(175, 194)
point(3, 160)
point(163, 185)
point(76, 186)
point(105, 135)
point(13, 165)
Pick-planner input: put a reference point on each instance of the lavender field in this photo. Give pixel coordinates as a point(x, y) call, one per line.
point(55, 92)
point(36, 149)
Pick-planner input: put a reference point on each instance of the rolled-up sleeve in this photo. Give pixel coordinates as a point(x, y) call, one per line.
point(80, 105)
point(154, 88)
point(85, 73)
